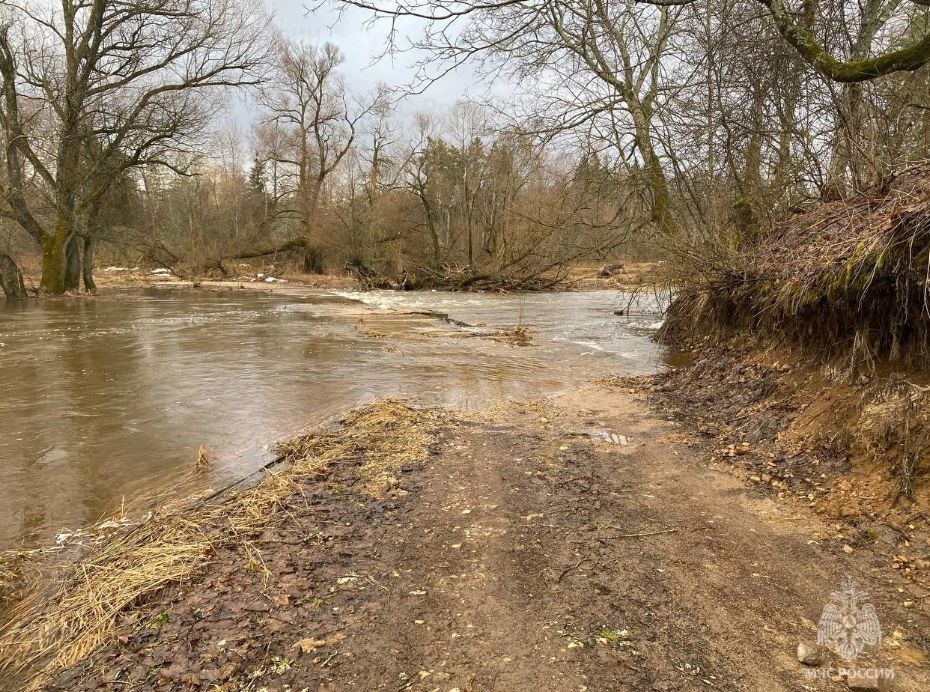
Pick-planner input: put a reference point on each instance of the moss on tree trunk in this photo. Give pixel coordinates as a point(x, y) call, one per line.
point(54, 258)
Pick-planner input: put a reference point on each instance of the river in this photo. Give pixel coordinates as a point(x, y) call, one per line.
point(105, 401)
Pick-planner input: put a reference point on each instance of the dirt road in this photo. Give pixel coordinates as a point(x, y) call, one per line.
point(523, 555)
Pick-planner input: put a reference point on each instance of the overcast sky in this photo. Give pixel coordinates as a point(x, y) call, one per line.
point(362, 45)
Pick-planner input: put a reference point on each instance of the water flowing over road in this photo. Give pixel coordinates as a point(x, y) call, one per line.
point(110, 399)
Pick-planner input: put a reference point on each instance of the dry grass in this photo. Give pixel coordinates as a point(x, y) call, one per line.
point(849, 279)
point(518, 336)
point(363, 329)
point(203, 461)
point(76, 612)
point(389, 435)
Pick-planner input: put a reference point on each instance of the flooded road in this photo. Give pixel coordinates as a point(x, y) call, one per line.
point(110, 399)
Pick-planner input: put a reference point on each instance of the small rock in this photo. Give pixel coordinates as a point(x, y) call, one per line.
point(810, 654)
point(848, 549)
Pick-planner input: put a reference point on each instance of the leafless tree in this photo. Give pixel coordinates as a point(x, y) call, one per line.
point(95, 88)
point(310, 103)
point(910, 51)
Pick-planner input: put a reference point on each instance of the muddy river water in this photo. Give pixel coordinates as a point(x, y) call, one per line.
point(106, 401)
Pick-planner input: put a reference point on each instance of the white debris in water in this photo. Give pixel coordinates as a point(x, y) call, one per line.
point(273, 280)
point(161, 272)
point(64, 537)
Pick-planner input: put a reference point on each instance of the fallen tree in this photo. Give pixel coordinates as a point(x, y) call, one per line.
point(285, 247)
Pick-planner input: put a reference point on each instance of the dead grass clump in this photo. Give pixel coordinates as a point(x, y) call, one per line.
point(387, 436)
point(203, 461)
point(849, 279)
point(518, 336)
point(364, 330)
point(11, 579)
point(57, 626)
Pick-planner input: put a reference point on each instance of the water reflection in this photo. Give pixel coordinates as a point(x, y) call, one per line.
point(111, 398)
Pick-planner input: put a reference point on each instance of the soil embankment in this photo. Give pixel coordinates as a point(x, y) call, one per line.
point(853, 450)
point(569, 544)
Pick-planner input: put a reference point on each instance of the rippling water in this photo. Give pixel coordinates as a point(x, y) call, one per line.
point(111, 398)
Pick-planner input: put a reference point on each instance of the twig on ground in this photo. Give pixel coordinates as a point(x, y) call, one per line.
point(572, 569)
point(641, 535)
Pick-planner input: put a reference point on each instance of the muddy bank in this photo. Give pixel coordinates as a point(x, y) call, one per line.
point(583, 277)
point(853, 451)
point(565, 544)
point(71, 610)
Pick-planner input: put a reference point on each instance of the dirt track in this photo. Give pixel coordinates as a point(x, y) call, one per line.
point(510, 560)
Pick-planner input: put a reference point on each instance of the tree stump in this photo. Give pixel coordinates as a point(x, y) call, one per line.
point(11, 279)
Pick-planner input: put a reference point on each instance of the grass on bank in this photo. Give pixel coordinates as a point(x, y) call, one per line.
point(76, 611)
point(848, 280)
point(844, 287)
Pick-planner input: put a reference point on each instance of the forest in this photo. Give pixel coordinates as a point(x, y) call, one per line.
point(673, 129)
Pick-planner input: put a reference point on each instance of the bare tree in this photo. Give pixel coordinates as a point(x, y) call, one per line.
point(909, 52)
point(310, 103)
point(95, 88)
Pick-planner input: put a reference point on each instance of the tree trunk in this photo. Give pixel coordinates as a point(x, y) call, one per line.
point(88, 267)
point(73, 263)
point(55, 256)
point(11, 279)
point(430, 222)
point(313, 260)
point(660, 203)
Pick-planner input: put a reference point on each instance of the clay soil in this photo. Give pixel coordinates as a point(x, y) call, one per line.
point(528, 550)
